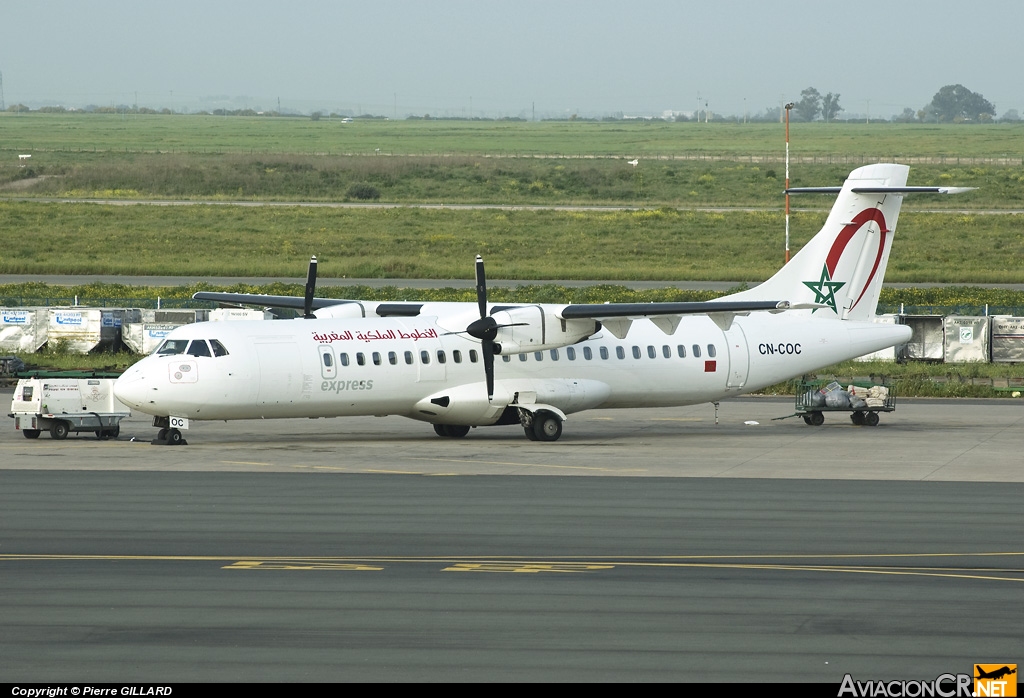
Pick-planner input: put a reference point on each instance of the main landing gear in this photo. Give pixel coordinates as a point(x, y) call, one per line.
point(541, 425)
point(451, 431)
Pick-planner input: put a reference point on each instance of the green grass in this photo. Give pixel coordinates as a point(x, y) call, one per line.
point(33, 133)
point(465, 179)
point(659, 244)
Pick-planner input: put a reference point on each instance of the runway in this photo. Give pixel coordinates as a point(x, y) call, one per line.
point(643, 546)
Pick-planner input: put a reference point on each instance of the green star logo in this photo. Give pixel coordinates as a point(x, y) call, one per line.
point(825, 289)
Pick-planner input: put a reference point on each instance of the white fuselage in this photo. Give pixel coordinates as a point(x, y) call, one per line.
point(418, 368)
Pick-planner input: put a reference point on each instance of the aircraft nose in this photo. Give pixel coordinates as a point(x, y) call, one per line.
point(132, 388)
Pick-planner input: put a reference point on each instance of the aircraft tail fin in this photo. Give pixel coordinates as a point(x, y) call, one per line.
point(841, 269)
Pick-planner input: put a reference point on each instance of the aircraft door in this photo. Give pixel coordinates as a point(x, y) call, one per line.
point(738, 356)
point(280, 372)
point(328, 365)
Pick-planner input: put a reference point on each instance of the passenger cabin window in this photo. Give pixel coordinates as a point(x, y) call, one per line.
point(506, 358)
point(218, 348)
point(408, 357)
point(696, 351)
point(172, 346)
point(604, 352)
point(360, 358)
point(343, 358)
point(570, 353)
point(199, 347)
point(473, 356)
point(522, 357)
point(620, 352)
point(539, 355)
point(376, 358)
point(425, 357)
point(392, 358)
point(636, 352)
point(711, 351)
point(457, 356)
point(587, 353)
point(652, 353)
point(681, 350)
point(328, 359)
point(554, 355)
point(440, 356)
point(666, 351)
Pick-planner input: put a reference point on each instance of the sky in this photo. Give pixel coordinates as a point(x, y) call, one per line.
point(513, 58)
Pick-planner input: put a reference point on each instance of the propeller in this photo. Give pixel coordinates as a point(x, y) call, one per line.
point(310, 289)
point(485, 329)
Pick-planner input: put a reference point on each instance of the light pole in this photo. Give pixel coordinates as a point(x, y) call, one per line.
point(789, 107)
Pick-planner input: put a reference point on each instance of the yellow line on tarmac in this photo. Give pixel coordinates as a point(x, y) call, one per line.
point(533, 465)
point(391, 472)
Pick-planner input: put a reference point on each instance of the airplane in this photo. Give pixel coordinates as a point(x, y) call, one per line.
point(463, 365)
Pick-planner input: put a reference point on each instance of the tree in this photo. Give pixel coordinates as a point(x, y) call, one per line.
point(908, 116)
point(1010, 116)
point(830, 106)
point(809, 105)
point(955, 103)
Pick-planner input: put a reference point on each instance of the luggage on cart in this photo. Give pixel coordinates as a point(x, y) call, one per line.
point(864, 403)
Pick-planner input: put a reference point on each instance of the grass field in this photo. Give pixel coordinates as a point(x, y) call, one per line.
point(205, 240)
point(466, 179)
point(148, 133)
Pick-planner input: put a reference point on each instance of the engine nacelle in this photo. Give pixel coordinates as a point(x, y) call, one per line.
point(530, 328)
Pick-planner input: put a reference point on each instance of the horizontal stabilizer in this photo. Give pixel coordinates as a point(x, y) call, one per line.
point(880, 190)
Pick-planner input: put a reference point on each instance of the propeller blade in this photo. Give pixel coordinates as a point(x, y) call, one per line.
point(485, 329)
point(487, 349)
point(481, 286)
point(310, 289)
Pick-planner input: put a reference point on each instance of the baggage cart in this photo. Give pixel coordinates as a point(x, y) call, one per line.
point(812, 402)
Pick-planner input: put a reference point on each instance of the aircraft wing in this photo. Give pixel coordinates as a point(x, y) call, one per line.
point(600, 311)
point(617, 317)
point(257, 299)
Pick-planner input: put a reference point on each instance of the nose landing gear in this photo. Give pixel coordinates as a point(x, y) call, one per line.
point(168, 435)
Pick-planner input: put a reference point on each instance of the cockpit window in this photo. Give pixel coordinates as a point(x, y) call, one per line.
point(218, 348)
point(199, 347)
point(172, 346)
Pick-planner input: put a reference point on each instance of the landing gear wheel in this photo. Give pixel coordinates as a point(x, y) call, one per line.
point(59, 430)
point(871, 419)
point(173, 437)
point(857, 418)
point(30, 433)
point(529, 433)
point(451, 431)
point(547, 426)
point(817, 419)
point(114, 431)
point(162, 435)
